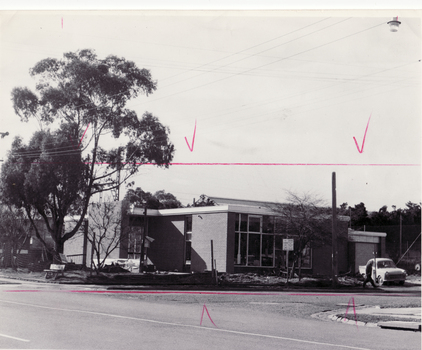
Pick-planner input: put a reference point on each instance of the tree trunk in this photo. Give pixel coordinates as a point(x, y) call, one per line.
point(58, 249)
point(59, 246)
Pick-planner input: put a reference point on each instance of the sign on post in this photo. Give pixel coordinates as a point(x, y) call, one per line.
point(288, 244)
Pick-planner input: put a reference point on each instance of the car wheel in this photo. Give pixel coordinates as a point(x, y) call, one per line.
point(401, 283)
point(418, 267)
point(380, 281)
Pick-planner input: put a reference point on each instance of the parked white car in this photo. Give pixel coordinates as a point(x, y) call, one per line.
point(385, 271)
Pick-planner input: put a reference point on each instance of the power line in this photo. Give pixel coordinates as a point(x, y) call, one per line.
point(264, 65)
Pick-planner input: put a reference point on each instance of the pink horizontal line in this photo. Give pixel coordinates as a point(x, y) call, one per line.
point(250, 164)
point(290, 164)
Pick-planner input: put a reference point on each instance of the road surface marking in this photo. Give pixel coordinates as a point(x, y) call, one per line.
point(188, 326)
point(15, 338)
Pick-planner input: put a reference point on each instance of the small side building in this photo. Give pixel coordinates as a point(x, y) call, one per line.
point(365, 245)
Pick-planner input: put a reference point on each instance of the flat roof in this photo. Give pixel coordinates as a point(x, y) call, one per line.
point(367, 233)
point(243, 202)
point(230, 208)
point(205, 210)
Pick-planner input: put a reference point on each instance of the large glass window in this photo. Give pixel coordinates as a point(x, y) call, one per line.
point(253, 249)
point(134, 242)
point(254, 224)
point(188, 223)
point(307, 257)
point(254, 240)
point(188, 251)
point(188, 239)
point(268, 224)
point(267, 252)
point(240, 244)
point(243, 222)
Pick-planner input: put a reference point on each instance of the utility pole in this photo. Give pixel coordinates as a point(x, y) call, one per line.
point(400, 236)
point(141, 260)
point(334, 233)
point(212, 259)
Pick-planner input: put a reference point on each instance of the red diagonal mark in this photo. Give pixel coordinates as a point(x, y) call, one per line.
point(62, 22)
point(354, 310)
point(83, 136)
point(202, 316)
point(364, 136)
point(193, 140)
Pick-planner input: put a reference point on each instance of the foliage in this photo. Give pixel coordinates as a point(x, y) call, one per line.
point(411, 215)
point(360, 215)
point(14, 229)
point(305, 219)
point(204, 201)
point(32, 179)
point(74, 94)
point(158, 200)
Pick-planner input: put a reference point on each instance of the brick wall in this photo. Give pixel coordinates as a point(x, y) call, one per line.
point(322, 255)
point(230, 242)
point(207, 227)
point(74, 247)
point(322, 260)
point(167, 250)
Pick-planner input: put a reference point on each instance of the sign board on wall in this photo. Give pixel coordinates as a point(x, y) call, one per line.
point(288, 244)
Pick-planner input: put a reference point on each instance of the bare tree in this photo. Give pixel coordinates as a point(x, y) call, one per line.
point(306, 221)
point(108, 227)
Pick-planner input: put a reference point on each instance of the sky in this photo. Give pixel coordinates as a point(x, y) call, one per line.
point(258, 102)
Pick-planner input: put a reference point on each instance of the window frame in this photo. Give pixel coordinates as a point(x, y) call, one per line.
point(239, 233)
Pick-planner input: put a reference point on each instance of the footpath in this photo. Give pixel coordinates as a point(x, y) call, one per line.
point(406, 319)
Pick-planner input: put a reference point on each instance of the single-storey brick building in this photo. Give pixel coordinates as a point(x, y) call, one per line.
point(245, 238)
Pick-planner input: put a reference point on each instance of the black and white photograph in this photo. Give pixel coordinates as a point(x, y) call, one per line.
point(210, 179)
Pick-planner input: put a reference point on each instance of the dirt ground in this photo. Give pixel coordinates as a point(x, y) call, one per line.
point(90, 277)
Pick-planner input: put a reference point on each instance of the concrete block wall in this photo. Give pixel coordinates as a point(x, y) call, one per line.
point(207, 227)
point(74, 245)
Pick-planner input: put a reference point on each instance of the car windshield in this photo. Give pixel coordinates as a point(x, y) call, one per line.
point(385, 264)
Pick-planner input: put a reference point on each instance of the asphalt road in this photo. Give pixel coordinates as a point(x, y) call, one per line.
point(42, 316)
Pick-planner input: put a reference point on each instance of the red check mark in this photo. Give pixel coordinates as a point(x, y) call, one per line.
point(364, 136)
point(193, 140)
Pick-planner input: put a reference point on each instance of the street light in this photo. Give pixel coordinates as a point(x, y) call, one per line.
point(394, 24)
